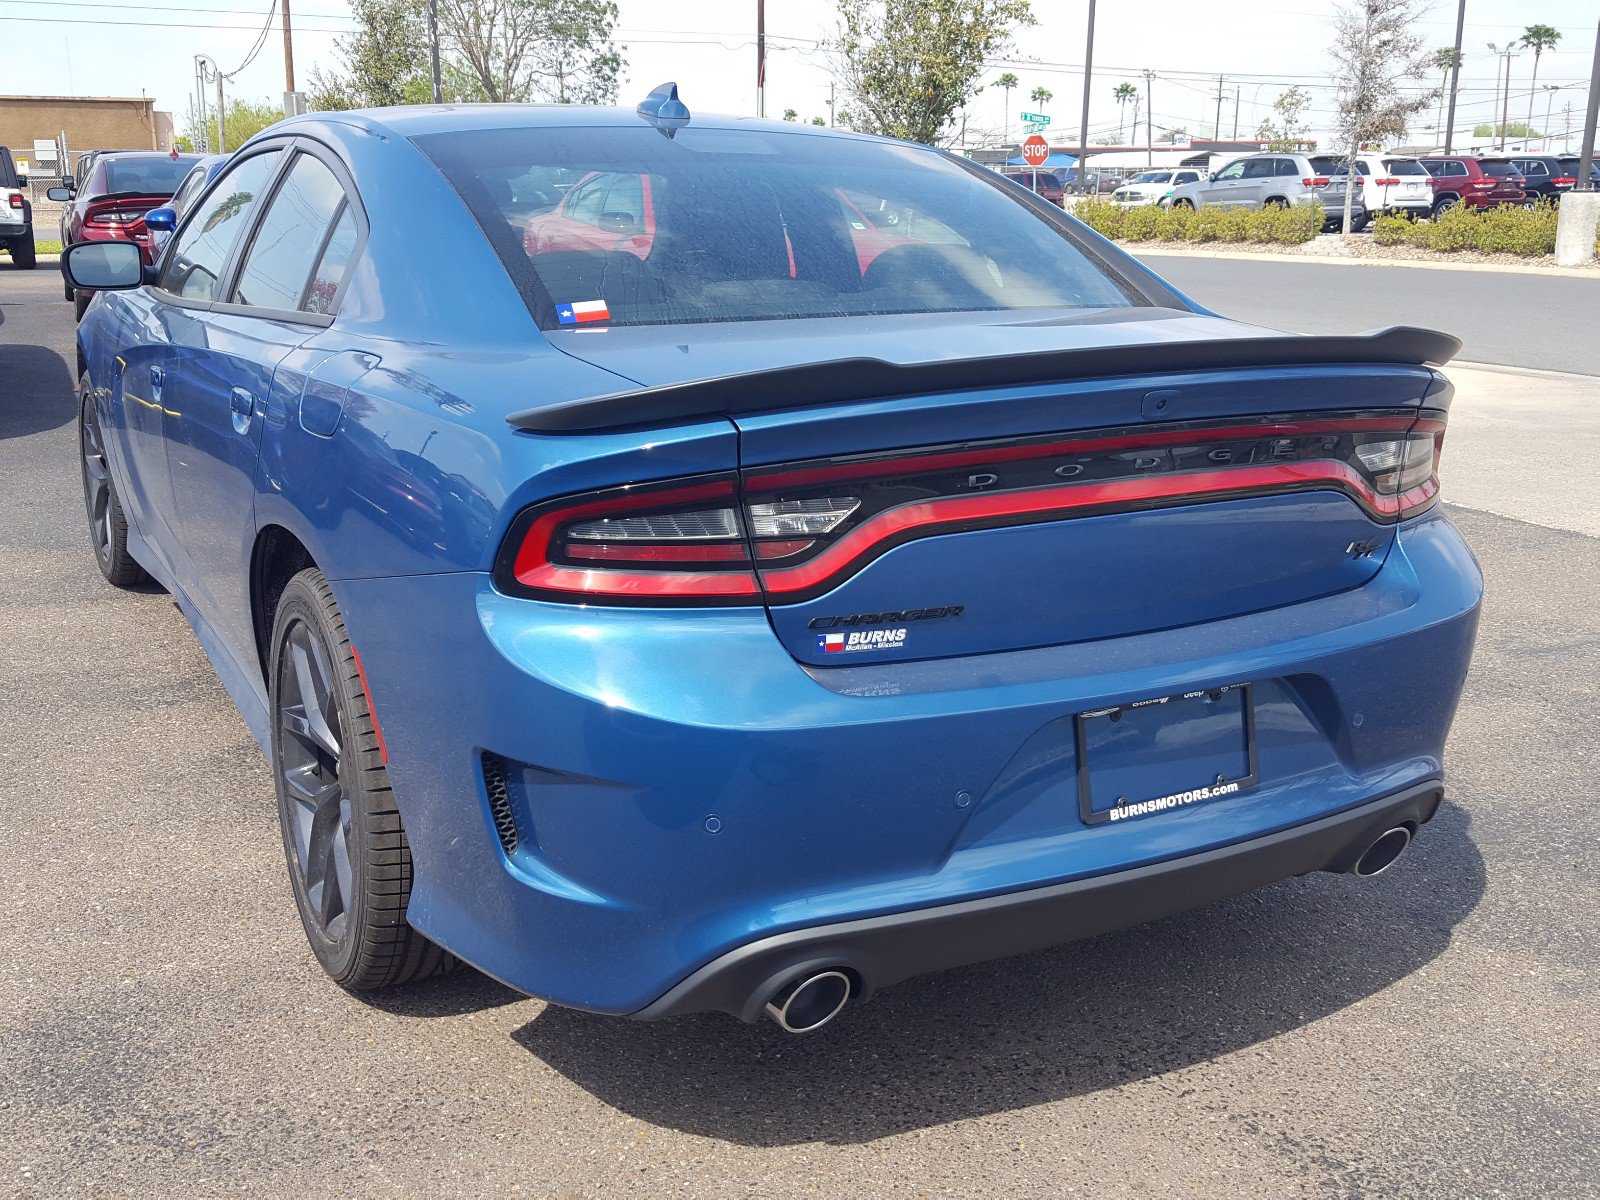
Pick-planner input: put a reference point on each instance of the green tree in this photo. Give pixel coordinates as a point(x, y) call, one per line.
point(1286, 130)
point(520, 50)
point(1538, 38)
point(1124, 92)
point(385, 61)
point(791, 114)
point(244, 120)
point(907, 66)
point(1006, 82)
point(818, 121)
point(1041, 97)
point(1515, 130)
point(1377, 54)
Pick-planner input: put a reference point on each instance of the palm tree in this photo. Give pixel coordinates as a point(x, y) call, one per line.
point(1445, 58)
point(1041, 97)
point(1124, 92)
point(1538, 38)
point(1007, 81)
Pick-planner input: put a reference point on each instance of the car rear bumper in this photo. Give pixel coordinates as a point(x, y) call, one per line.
point(681, 788)
point(881, 951)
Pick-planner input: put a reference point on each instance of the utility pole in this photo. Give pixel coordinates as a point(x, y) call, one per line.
point(1236, 113)
point(433, 50)
point(761, 58)
point(830, 105)
point(1455, 76)
point(1586, 148)
point(1149, 119)
point(1216, 134)
point(1083, 120)
point(288, 49)
point(1505, 103)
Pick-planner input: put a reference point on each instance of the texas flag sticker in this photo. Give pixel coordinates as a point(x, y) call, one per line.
point(830, 643)
point(582, 312)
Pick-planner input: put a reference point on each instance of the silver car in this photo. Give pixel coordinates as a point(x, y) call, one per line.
point(1263, 180)
point(1153, 187)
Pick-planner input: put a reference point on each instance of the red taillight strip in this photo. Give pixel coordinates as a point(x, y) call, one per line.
point(943, 514)
point(918, 463)
point(533, 568)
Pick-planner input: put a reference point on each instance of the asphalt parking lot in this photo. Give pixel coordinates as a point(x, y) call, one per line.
point(1432, 1032)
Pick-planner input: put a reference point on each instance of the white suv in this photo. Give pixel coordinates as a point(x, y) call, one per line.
point(1153, 187)
point(1391, 184)
point(16, 214)
point(1267, 180)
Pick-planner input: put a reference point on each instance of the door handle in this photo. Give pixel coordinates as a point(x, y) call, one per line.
point(243, 405)
point(158, 376)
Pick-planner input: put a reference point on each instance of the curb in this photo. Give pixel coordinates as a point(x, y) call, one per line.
point(1508, 369)
point(1160, 249)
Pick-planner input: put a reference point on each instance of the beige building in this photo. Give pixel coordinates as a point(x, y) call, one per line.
point(90, 123)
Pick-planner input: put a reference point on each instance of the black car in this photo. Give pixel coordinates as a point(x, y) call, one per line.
point(1570, 163)
point(1547, 176)
point(16, 214)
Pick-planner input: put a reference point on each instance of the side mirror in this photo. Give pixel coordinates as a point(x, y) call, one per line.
point(161, 220)
point(103, 266)
point(61, 195)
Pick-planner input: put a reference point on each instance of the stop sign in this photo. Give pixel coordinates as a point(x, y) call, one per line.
point(1035, 150)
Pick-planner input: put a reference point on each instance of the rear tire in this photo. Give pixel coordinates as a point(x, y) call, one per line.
point(348, 857)
point(108, 527)
point(24, 254)
point(1445, 205)
point(1182, 203)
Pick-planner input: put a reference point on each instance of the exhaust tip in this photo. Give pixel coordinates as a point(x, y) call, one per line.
point(810, 1002)
point(1383, 853)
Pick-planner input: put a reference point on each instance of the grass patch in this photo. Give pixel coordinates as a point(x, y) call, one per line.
point(1281, 226)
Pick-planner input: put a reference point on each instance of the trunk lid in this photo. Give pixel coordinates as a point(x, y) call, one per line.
point(995, 518)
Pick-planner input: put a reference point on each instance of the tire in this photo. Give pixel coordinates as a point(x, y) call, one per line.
point(108, 527)
point(1275, 202)
point(24, 254)
point(1182, 202)
point(1444, 205)
point(72, 292)
point(348, 859)
point(81, 304)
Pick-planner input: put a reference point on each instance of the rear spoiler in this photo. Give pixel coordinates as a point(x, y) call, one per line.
point(844, 380)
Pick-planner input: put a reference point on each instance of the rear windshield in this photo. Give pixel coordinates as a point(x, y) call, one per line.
point(1328, 164)
point(1403, 166)
point(158, 175)
point(8, 169)
point(1499, 170)
point(749, 225)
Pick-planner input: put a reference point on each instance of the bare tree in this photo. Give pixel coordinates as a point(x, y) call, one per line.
point(1376, 52)
point(519, 50)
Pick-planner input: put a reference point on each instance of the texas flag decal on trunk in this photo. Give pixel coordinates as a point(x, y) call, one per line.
point(830, 643)
point(583, 312)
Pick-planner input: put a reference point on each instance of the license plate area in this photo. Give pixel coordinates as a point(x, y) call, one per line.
point(1165, 753)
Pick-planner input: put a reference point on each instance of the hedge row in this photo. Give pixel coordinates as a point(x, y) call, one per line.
point(1149, 223)
point(1506, 229)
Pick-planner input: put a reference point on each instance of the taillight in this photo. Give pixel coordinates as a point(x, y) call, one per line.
point(16, 200)
point(1482, 183)
point(792, 532)
point(1564, 181)
point(1318, 181)
point(1387, 182)
point(115, 217)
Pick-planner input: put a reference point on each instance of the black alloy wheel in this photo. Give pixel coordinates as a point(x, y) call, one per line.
point(108, 528)
point(348, 858)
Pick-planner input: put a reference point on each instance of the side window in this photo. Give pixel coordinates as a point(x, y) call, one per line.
point(624, 206)
point(186, 192)
point(1234, 170)
point(324, 289)
point(1259, 168)
point(1284, 167)
point(1535, 167)
point(278, 264)
point(206, 239)
point(586, 203)
point(1456, 169)
point(1188, 177)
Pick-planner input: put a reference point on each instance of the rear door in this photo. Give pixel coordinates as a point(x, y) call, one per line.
point(1256, 184)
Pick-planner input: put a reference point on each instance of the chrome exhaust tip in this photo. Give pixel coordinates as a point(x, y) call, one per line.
point(1389, 848)
point(810, 1002)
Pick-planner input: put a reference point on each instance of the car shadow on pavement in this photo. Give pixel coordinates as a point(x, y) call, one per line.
point(1066, 1022)
point(36, 390)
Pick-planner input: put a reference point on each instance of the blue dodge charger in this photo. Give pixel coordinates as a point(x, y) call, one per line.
point(684, 564)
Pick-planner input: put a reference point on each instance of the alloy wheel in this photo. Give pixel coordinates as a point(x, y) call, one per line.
point(97, 499)
point(310, 757)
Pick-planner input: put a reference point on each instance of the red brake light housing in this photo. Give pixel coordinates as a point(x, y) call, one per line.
point(784, 534)
point(16, 200)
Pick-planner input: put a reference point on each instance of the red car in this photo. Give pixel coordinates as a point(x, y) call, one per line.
point(616, 210)
point(1046, 185)
point(1475, 182)
point(110, 202)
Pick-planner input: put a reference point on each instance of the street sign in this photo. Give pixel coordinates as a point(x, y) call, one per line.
point(1035, 119)
point(1030, 127)
point(1035, 150)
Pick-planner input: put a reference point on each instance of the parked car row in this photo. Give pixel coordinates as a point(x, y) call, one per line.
point(1420, 186)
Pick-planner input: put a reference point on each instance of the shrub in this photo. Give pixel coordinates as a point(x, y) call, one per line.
point(1507, 229)
point(1149, 223)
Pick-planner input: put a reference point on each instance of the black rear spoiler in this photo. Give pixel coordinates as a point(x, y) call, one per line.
point(844, 380)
